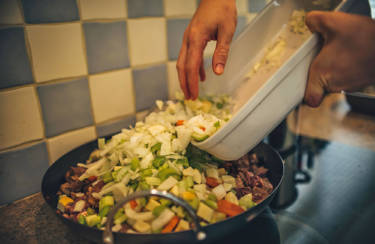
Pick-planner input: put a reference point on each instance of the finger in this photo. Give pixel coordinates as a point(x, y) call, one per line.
point(202, 73)
point(181, 67)
point(319, 21)
point(194, 59)
point(224, 38)
point(315, 89)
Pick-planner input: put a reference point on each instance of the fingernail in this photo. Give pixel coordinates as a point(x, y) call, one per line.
point(219, 68)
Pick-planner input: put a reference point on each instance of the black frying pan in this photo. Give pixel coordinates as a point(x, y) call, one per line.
point(54, 177)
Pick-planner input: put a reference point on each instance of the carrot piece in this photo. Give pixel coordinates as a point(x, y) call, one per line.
point(202, 128)
point(171, 224)
point(211, 182)
point(133, 204)
point(180, 122)
point(228, 208)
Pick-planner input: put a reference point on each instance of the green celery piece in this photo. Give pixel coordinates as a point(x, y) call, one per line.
point(134, 164)
point(184, 162)
point(119, 213)
point(133, 184)
point(219, 105)
point(104, 211)
point(92, 220)
point(120, 219)
point(158, 161)
point(217, 124)
point(120, 174)
point(107, 177)
point(165, 202)
point(211, 204)
point(144, 186)
point(165, 173)
point(156, 148)
point(194, 203)
point(146, 172)
point(106, 201)
point(212, 197)
point(157, 211)
point(189, 181)
point(90, 211)
point(81, 219)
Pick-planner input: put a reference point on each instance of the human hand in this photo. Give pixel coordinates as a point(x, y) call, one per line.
point(213, 20)
point(346, 61)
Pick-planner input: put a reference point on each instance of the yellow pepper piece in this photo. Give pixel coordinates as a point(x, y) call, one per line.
point(188, 196)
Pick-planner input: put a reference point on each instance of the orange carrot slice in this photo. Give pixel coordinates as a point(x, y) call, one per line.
point(171, 224)
point(133, 204)
point(228, 208)
point(180, 122)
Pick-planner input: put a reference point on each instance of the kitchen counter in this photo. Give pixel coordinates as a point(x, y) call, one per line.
point(30, 220)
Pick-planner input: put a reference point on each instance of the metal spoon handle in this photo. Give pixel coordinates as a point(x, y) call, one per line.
point(107, 234)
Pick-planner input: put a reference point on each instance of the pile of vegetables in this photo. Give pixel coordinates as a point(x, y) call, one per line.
point(156, 154)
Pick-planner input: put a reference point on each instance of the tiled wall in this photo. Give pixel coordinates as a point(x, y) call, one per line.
point(75, 70)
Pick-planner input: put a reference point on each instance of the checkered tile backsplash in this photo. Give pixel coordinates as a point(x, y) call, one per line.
point(75, 70)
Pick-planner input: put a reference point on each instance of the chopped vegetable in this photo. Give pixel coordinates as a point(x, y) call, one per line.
point(228, 208)
point(162, 220)
point(170, 226)
point(219, 191)
point(212, 182)
point(205, 212)
point(133, 204)
point(167, 184)
point(247, 201)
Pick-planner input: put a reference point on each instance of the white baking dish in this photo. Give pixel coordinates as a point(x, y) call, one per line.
point(266, 107)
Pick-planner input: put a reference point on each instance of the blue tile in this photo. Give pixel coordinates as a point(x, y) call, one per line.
point(241, 23)
point(143, 8)
point(115, 126)
point(14, 63)
point(21, 172)
point(65, 106)
point(175, 33)
point(150, 84)
point(45, 11)
point(256, 6)
point(106, 46)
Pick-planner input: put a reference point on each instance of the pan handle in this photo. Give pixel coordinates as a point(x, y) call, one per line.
point(107, 234)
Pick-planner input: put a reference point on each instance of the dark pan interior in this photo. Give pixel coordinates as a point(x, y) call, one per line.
point(54, 177)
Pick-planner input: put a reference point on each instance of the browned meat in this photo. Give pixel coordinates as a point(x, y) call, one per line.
point(66, 188)
point(259, 194)
point(259, 170)
point(92, 201)
point(98, 186)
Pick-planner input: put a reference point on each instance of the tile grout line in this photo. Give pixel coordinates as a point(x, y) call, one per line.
point(84, 49)
point(131, 67)
point(34, 83)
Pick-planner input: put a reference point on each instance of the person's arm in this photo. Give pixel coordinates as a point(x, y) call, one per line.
point(346, 61)
point(213, 20)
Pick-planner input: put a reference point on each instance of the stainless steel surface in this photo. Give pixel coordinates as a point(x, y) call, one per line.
point(372, 8)
point(107, 234)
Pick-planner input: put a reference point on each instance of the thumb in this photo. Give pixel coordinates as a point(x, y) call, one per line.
point(220, 56)
point(314, 92)
point(319, 21)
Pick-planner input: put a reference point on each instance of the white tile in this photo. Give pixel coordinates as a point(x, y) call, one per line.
point(61, 144)
point(147, 39)
point(173, 83)
point(112, 94)
point(180, 7)
point(10, 12)
point(242, 7)
point(103, 9)
point(57, 51)
point(20, 119)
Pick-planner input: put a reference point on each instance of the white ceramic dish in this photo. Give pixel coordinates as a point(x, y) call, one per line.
point(263, 109)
